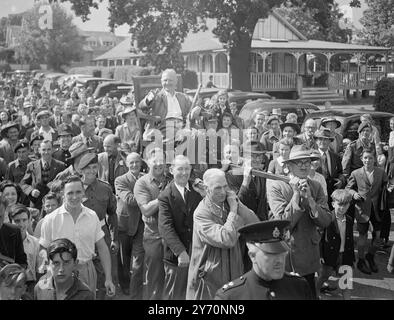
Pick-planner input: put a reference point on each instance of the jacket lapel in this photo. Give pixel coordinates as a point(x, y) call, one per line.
point(178, 199)
point(37, 169)
point(165, 102)
point(366, 177)
point(105, 166)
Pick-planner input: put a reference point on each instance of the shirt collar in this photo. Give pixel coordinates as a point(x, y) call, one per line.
point(42, 162)
point(41, 130)
point(181, 188)
point(340, 219)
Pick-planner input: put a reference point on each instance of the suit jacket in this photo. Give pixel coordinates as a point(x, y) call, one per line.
point(334, 172)
point(11, 244)
point(370, 193)
point(331, 243)
point(176, 221)
point(97, 142)
point(254, 196)
point(304, 257)
point(128, 211)
point(159, 106)
point(33, 180)
point(120, 166)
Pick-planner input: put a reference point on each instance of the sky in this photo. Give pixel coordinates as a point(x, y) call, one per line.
point(95, 23)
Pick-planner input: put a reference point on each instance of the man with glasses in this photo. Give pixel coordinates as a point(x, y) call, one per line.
point(302, 201)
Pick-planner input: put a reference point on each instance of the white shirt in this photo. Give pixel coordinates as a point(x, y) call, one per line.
point(85, 232)
point(46, 134)
point(32, 249)
point(174, 109)
point(182, 190)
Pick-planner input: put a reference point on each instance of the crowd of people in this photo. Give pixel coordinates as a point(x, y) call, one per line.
point(172, 197)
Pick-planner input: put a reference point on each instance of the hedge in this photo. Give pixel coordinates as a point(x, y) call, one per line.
point(384, 95)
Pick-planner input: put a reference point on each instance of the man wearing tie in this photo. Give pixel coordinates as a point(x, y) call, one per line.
point(176, 208)
point(331, 166)
point(39, 173)
point(111, 163)
point(87, 136)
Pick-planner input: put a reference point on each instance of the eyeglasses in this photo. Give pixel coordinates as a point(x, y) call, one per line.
point(305, 163)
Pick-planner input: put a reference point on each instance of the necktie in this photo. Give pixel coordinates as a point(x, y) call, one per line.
point(89, 141)
point(46, 166)
point(324, 167)
point(185, 194)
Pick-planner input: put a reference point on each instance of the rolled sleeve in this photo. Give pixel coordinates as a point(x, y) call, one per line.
point(46, 234)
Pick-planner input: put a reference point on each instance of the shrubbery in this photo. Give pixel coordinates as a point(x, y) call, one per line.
point(189, 79)
point(384, 95)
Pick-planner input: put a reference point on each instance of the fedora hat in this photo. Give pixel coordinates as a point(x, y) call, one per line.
point(323, 134)
point(295, 126)
point(330, 119)
point(77, 149)
point(299, 152)
point(7, 126)
point(128, 110)
point(127, 100)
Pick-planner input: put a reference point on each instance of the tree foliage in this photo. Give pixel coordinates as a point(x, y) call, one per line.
point(377, 23)
point(160, 26)
point(55, 47)
point(317, 20)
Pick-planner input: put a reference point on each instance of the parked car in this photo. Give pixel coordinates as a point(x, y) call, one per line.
point(238, 96)
point(113, 89)
point(92, 82)
point(350, 120)
point(300, 108)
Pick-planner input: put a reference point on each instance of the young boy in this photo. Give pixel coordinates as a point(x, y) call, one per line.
point(20, 216)
point(366, 185)
point(337, 243)
point(62, 282)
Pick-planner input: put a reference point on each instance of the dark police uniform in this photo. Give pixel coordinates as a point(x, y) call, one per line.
point(63, 156)
point(250, 286)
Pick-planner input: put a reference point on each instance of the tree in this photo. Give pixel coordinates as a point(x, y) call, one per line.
point(160, 27)
point(315, 23)
point(55, 47)
point(378, 21)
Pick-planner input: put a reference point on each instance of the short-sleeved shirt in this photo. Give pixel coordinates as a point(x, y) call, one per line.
point(85, 232)
point(146, 189)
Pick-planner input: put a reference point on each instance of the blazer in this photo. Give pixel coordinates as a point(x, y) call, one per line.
point(128, 211)
point(97, 142)
point(370, 193)
point(176, 221)
point(120, 166)
point(331, 243)
point(159, 105)
point(11, 244)
point(33, 180)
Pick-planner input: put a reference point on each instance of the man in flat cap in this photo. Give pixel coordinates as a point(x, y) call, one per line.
point(267, 280)
point(352, 157)
point(45, 129)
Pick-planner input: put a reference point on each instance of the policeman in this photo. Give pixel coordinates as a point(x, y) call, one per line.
point(62, 153)
point(100, 198)
point(267, 280)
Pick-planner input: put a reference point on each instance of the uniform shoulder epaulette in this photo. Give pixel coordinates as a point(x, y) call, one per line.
point(104, 182)
point(292, 274)
point(234, 284)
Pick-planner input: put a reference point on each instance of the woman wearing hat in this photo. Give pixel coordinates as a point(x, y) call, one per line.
point(302, 201)
point(337, 144)
point(289, 130)
point(130, 131)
